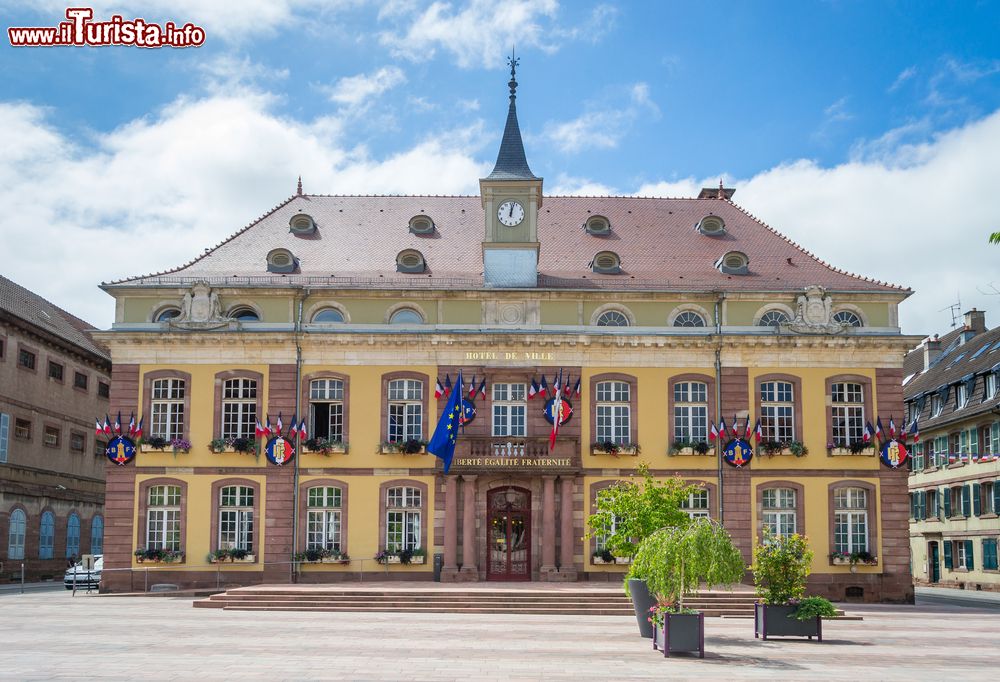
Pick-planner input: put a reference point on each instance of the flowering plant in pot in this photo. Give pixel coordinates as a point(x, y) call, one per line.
point(627, 513)
point(781, 565)
point(675, 562)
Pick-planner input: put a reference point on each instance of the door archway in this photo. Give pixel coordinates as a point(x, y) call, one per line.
point(509, 534)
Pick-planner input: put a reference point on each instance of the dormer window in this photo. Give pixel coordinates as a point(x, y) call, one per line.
point(734, 263)
point(607, 263)
point(597, 224)
point(301, 223)
point(410, 261)
point(712, 225)
point(421, 224)
point(281, 260)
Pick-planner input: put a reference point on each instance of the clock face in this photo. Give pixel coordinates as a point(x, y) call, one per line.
point(510, 213)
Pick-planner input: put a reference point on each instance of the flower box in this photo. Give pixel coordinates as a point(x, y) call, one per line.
point(681, 632)
point(397, 449)
point(846, 452)
point(619, 561)
point(248, 559)
point(628, 450)
point(394, 559)
point(779, 621)
point(690, 451)
point(158, 557)
point(846, 561)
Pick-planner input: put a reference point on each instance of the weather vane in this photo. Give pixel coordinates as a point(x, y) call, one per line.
point(512, 62)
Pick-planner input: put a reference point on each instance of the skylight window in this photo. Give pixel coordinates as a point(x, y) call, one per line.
point(979, 352)
point(957, 358)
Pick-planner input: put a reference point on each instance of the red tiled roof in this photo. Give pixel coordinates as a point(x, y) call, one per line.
point(360, 236)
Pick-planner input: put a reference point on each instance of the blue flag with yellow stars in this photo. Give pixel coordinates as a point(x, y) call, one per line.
point(442, 443)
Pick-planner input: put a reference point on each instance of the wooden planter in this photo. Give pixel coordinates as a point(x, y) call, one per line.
point(780, 621)
point(681, 632)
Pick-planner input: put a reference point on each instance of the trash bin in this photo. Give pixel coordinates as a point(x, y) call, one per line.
point(438, 565)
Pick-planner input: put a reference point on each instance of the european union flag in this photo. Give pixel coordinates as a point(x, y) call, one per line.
point(442, 443)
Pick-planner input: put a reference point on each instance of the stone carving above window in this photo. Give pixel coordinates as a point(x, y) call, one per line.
point(200, 309)
point(814, 313)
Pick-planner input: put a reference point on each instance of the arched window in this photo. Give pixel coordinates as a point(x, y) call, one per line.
point(689, 318)
point(46, 535)
point(850, 532)
point(607, 263)
point(97, 535)
point(410, 260)
point(597, 224)
point(244, 314)
point(711, 225)
point(301, 224)
point(166, 314)
point(773, 318)
point(73, 536)
point(612, 318)
point(236, 507)
point(15, 534)
point(779, 514)
point(402, 518)
point(846, 317)
point(734, 263)
point(324, 522)
point(421, 224)
point(328, 315)
point(406, 316)
point(281, 260)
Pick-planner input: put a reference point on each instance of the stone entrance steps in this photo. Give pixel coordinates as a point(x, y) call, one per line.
point(564, 601)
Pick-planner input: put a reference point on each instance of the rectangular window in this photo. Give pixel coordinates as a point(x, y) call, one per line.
point(103, 390)
point(406, 410)
point(986, 497)
point(777, 411)
point(918, 456)
point(961, 396)
point(163, 517)
point(848, 411)
point(100, 447)
point(779, 511)
point(961, 557)
point(236, 517)
point(941, 447)
point(239, 408)
point(995, 438)
point(402, 530)
point(990, 387)
point(990, 554)
point(4, 436)
point(167, 407)
point(80, 380)
point(22, 429)
point(323, 519)
point(509, 410)
point(77, 442)
point(932, 505)
point(51, 436)
point(696, 505)
point(326, 405)
point(691, 412)
point(851, 520)
point(936, 405)
point(613, 412)
point(55, 371)
point(25, 358)
point(601, 540)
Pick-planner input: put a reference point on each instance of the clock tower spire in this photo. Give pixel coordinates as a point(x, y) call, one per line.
point(511, 196)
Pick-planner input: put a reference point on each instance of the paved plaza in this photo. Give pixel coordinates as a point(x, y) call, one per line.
point(52, 635)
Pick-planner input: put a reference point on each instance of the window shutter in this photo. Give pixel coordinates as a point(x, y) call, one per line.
point(996, 496)
point(947, 553)
point(966, 501)
point(923, 505)
point(913, 505)
point(4, 436)
point(946, 494)
point(977, 503)
point(969, 563)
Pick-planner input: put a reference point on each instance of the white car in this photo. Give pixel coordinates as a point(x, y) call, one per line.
point(84, 578)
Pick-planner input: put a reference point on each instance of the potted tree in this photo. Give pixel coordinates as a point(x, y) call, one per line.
point(675, 561)
point(781, 565)
point(630, 511)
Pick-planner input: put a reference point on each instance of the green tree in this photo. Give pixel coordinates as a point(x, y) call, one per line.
point(995, 238)
point(781, 565)
point(675, 561)
point(630, 511)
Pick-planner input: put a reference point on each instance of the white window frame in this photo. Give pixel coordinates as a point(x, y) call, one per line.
point(236, 517)
point(847, 413)
point(779, 511)
point(402, 518)
point(163, 517)
point(324, 518)
point(166, 406)
point(691, 411)
point(937, 405)
point(239, 407)
point(696, 504)
point(777, 411)
point(510, 410)
point(961, 561)
point(16, 528)
point(327, 391)
point(995, 438)
point(990, 388)
point(406, 409)
point(961, 396)
point(613, 412)
point(851, 520)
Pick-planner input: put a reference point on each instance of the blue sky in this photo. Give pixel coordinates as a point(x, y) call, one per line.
point(863, 130)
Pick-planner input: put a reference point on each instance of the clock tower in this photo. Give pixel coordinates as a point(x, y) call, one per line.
point(511, 197)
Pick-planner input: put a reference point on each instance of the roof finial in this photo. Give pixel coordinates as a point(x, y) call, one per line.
point(512, 62)
point(722, 191)
point(298, 190)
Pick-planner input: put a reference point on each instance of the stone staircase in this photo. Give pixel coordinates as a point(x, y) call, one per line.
point(532, 598)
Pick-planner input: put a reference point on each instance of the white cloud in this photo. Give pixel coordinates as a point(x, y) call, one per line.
point(904, 75)
point(154, 193)
point(601, 126)
point(227, 71)
point(229, 22)
point(477, 34)
point(355, 91)
point(567, 185)
point(924, 224)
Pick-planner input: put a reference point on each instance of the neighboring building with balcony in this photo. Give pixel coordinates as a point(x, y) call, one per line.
point(951, 387)
point(662, 316)
point(54, 380)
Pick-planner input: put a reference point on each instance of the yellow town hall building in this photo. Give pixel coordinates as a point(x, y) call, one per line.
point(663, 317)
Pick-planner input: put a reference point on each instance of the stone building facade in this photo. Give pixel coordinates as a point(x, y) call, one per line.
point(662, 316)
point(54, 380)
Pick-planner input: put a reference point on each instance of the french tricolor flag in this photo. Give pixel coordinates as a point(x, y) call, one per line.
point(438, 388)
point(532, 388)
point(714, 433)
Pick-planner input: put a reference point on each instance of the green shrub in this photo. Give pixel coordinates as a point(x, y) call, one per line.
point(810, 607)
point(780, 567)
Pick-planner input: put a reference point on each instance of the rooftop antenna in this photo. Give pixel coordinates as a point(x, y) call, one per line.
point(955, 309)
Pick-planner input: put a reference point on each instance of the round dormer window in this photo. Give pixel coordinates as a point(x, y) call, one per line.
point(712, 225)
point(597, 224)
point(302, 223)
point(607, 262)
point(421, 224)
point(281, 260)
point(734, 263)
point(410, 261)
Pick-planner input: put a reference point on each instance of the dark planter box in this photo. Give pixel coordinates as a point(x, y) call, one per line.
point(779, 621)
point(681, 632)
point(642, 602)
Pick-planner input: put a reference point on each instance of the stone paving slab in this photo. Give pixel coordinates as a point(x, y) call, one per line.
point(57, 636)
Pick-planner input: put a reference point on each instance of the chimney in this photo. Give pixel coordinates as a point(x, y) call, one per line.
point(932, 350)
point(975, 321)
